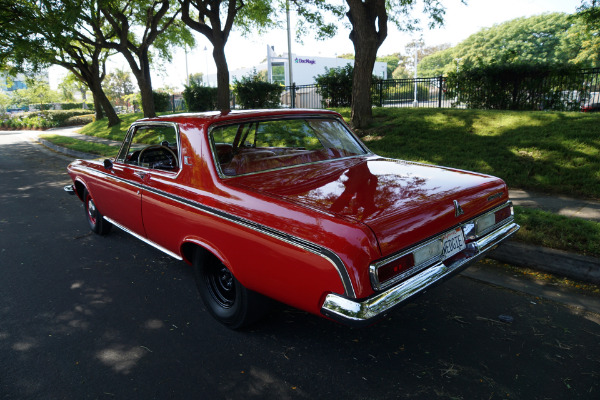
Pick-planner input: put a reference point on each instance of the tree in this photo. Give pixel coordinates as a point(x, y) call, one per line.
point(554, 39)
point(246, 15)
point(405, 66)
point(37, 92)
point(196, 78)
point(52, 32)
point(138, 25)
point(369, 19)
point(117, 85)
point(589, 12)
point(70, 85)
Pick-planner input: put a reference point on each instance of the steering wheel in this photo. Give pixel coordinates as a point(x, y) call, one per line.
point(169, 154)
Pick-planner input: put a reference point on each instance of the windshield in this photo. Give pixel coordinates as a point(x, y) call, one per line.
point(254, 146)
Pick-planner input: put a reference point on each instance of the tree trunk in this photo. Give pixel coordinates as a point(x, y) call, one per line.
point(144, 81)
point(362, 111)
point(100, 97)
point(97, 107)
point(369, 30)
point(223, 102)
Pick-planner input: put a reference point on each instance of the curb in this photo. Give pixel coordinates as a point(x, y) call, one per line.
point(558, 262)
point(68, 152)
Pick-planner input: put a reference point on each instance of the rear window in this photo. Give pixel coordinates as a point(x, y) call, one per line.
point(255, 146)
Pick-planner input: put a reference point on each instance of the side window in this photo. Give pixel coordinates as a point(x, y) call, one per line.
point(151, 146)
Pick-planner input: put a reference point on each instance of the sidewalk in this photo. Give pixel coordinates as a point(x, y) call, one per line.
point(556, 262)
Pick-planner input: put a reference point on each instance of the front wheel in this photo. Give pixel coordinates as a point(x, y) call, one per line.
point(226, 299)
point(94, 218)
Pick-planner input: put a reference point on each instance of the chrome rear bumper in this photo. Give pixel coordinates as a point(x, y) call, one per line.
point(360, 312)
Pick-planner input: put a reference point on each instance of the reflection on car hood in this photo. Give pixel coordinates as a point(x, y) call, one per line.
point(401, 202)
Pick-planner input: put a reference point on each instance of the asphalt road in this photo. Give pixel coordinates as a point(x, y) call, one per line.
point(88, 317)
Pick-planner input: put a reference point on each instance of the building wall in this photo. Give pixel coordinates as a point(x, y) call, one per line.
point(304, 69)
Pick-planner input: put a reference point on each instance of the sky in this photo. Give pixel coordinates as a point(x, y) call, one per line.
point(461, 21)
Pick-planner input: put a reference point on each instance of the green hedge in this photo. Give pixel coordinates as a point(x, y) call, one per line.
point(162, 101)
point(252, 92)
point(200, 98)
point(42, 119)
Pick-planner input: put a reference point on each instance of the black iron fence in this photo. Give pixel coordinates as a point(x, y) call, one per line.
point(549, 93)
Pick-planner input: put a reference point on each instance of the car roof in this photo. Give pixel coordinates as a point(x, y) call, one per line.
point(220, 116)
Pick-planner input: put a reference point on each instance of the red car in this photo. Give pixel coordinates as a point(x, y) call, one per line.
point(290, 205)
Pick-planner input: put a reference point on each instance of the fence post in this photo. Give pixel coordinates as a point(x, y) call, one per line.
point(293, 95)
point(173, 103)
point(381, 93)
point(440, 92)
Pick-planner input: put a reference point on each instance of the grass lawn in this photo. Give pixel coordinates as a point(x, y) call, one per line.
point(82, 145)
point(551, 152)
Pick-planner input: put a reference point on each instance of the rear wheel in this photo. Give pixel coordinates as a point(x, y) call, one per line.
point(226, 299)
point(95, 219)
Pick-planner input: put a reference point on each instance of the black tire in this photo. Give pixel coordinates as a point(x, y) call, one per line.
point(94, 218)
point(225, 298)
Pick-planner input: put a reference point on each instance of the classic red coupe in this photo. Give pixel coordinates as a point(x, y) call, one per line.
point(290, 205)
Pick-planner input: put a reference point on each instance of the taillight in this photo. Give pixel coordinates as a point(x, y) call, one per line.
point(409, 262)
point(396, 267)
point(503, 214)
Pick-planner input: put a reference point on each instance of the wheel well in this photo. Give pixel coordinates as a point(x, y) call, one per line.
point(79, 188)
point(188, 251)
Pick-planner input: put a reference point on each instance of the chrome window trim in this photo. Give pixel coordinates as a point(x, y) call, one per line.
point(311, 247)
point(136, 125)
point(217, 164)
point(377, 286)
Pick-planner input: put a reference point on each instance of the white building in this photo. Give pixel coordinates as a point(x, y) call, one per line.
point(304, 68)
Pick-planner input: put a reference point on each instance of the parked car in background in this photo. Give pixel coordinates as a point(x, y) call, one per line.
point(592, 107)
point(290, 205)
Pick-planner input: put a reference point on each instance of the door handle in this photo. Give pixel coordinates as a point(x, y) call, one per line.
point(142, 175)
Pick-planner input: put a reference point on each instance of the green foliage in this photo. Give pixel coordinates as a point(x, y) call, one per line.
point(253, 92)
point(518, 87)
point(335, 86)
point(117, 85)
point(200, 98)
point(162, 101)
point(79, 120)
point(41, 119)
point(554, 39)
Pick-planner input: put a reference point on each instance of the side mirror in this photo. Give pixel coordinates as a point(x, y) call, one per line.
point(108, 164)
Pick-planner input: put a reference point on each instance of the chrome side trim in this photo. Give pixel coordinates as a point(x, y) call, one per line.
point(143, 239)
point(321, 251)
point(355, 312)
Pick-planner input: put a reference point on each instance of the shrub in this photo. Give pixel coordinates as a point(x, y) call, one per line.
point(518, 87)
point(41, 119)
point(162, 101)
point(253, 92)
point(200, 98)
point(79, 120)
point(335, 87)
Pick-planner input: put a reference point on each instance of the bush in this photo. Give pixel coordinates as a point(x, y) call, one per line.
point(200, 98)
point(335, 87)
point(253, 92)
point(79, 120)
point(41, 119)
point(518, 87)
point(162, 101)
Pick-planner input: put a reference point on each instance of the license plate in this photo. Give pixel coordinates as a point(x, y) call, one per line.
point(453, 242)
